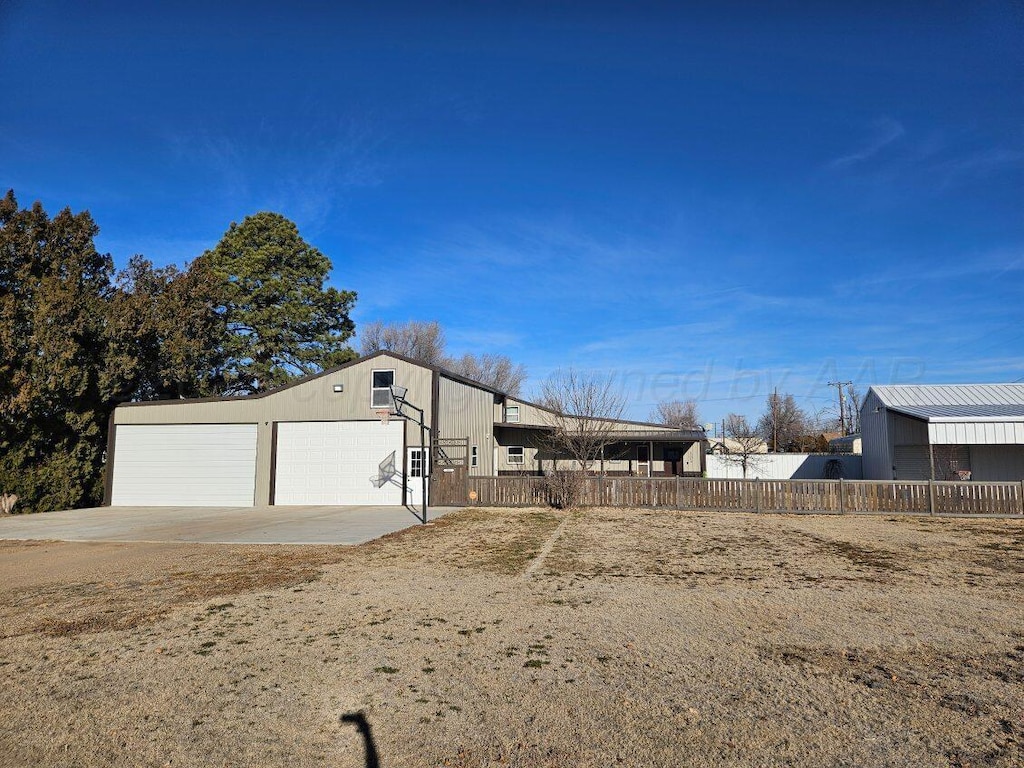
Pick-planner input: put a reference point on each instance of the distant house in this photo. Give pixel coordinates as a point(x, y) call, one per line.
point(720, 445)
point(847, 444)
point(944, 432)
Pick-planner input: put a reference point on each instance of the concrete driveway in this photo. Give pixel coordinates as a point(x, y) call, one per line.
point(216, 525)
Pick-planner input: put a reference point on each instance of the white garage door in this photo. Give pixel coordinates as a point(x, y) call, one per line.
point(339, 462)
point(188, 465)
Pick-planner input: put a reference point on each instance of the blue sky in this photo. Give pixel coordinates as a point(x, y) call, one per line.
point(705, 202)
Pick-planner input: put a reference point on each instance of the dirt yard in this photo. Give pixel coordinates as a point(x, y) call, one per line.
point(526, 638)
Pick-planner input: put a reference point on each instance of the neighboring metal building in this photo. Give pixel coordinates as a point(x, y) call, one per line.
point(322, 440)
point(943, 432)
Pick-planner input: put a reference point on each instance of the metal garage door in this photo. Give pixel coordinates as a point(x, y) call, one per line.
point(912, 462)
point(188, 465)
point(339, 462)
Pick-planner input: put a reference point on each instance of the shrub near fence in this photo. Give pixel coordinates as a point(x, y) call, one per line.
point(819, 496)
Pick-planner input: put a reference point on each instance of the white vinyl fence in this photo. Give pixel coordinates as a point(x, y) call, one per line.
point(785, 466)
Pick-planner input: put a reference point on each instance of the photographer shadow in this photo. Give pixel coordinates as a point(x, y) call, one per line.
point(363, 727)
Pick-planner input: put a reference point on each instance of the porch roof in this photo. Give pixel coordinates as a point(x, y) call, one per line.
point(632, 435)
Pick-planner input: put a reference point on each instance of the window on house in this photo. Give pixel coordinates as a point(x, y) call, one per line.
point(512, 414)
point(474, 457)
point(380, 391)
point(516, 454)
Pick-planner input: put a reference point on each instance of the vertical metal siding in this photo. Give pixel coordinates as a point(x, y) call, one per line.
point(997, 462)
point(977, 432)
point(467, 411)
point(877, 451)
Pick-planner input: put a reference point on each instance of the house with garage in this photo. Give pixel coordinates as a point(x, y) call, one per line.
point(943, 432)
point(336, 438)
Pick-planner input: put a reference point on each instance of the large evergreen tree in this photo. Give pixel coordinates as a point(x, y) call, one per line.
point(164, 332)
point(53, 406)
point(281, 322)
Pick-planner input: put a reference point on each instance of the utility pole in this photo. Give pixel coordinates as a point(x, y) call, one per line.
point(842, 408)
point(775, 421)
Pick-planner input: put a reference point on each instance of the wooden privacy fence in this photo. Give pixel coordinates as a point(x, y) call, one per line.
point(823, 496)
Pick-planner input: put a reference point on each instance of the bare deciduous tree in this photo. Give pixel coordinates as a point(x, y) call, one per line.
point(423, 341)
point(679, 414)
point(854, 400)
point(783, 424)
point(830, 421)
point(582, 409)
point(742, 444)
point(496, 371)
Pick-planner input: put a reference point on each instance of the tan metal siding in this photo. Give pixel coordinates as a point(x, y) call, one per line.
point(534, 416)
point(312, 400)
point(467, 411)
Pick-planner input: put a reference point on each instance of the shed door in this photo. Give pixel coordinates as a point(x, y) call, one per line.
point(187, 465)
point(339, 462)
point(912, 462)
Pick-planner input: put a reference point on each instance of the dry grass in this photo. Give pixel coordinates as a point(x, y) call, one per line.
point(631, 637)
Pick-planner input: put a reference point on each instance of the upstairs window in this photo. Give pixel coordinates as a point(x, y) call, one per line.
point(512, 414)
point(380, 389)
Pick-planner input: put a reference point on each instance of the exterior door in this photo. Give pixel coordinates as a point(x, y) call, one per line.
point(643, 461)
point(417, 467)
point(673, 462)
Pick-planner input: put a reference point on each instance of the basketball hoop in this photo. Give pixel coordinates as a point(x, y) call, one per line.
point(384, 416)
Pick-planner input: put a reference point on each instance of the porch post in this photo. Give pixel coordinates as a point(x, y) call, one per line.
point(650, 458)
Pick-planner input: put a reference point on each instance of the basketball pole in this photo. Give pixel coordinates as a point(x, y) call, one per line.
point(398, 396)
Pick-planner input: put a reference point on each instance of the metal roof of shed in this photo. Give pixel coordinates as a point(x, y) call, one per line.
point(961, 414)
point(955, 402)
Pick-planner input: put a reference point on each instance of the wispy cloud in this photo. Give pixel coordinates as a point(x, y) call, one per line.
point(305, 173)
point(977, 165)
point(973, 266)
point(884, 132)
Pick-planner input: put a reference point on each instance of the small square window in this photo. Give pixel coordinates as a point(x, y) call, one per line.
point(474, 457)
point(512, 414)
point(380, 389)
point(516, 454)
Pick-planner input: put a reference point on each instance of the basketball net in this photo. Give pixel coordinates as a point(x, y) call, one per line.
point(385, 416)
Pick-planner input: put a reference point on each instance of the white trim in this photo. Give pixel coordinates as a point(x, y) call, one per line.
point(522, 454)
point(374, 390)
point(508, 415)
point(474, 456)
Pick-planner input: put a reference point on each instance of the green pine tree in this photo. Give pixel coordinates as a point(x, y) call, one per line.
point(281, 322)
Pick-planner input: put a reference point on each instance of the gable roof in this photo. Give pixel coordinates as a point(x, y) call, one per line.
point(329, 371)
point(384, 353)
point(955, 402)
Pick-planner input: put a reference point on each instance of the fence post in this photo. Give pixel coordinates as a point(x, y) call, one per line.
point(931, 497)
point(1020, 498)
point(678, 483)
point(757, 494)
point(842, 506)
